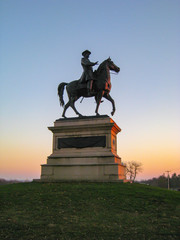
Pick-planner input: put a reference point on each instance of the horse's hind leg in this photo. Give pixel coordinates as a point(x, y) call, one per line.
point(65, 108)
point(72, 101)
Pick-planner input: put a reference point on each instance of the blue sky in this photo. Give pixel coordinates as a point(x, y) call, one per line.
point(41, 44)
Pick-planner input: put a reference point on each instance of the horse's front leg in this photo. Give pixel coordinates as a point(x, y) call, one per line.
point(108, 97)
point(98, 101)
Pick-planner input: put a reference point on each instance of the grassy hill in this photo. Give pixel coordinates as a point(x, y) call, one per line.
point(60, 211)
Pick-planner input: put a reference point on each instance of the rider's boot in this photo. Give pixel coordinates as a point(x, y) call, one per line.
point(89, 88)
point(89, 92)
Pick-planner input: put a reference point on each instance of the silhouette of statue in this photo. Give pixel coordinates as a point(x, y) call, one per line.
point(97, 84)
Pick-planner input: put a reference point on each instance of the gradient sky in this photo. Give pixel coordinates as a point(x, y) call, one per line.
point(41, 44)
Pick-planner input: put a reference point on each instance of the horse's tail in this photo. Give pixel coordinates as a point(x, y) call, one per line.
point(60, 92)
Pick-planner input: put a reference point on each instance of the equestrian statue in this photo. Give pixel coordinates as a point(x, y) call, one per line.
point(95, 84)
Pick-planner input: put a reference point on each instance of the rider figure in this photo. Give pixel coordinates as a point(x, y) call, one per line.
point(87, 75)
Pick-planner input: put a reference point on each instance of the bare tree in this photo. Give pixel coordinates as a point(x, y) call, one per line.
point(132, 169)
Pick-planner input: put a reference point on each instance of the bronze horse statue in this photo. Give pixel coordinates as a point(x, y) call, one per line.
point(101, 87)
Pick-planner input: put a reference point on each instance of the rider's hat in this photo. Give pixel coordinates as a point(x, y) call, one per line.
point(86, 51)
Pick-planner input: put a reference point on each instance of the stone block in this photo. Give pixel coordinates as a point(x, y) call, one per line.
point(84, 149)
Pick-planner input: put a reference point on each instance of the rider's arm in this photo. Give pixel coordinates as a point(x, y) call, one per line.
point(86, 62)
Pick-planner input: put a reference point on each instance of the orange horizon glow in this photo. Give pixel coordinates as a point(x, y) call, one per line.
point(22, 160)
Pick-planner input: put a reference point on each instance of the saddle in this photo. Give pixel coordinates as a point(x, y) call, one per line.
point(82, 85)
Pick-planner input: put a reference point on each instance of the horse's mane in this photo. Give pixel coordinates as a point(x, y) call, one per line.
point(101, 67)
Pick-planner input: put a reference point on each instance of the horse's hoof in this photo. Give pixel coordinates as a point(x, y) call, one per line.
point(112, 113)
point(64, 116)
point(97, 114)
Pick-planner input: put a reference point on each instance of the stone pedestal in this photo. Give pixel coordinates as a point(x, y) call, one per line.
point(84, 149)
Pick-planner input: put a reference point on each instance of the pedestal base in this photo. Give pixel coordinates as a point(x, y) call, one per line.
point(84, 149)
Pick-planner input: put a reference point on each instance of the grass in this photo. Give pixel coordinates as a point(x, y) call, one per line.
point(60, 211)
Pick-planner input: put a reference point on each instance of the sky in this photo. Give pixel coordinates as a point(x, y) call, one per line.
point(41, 44)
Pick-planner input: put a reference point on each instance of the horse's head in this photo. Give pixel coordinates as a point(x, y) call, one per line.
point(112, 66)
point(105, 66)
